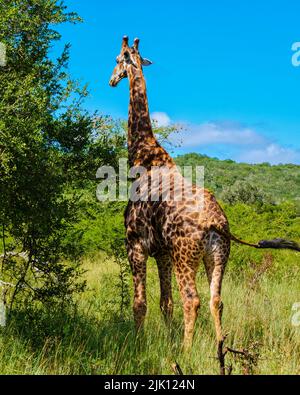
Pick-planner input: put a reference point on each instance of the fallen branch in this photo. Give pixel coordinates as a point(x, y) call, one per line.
point(248, 359)
point(238, 352)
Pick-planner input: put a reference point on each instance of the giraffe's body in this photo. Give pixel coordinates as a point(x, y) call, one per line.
point(179, 234)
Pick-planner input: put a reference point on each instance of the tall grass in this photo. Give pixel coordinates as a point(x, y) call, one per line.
point(96, 339)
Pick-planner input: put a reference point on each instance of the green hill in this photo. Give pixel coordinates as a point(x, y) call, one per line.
point(280, 182)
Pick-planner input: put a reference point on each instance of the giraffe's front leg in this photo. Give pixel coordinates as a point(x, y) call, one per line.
point(138, 259)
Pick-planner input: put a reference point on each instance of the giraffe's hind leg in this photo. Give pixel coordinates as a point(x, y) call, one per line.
point(186, 262)
point(215, 262)
point(138, 259)
point(164, 264)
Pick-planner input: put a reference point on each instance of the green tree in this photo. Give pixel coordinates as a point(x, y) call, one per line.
point(44, 132)
point(244, 192)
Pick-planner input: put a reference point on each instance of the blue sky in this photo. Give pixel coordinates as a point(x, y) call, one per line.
point(221, 68)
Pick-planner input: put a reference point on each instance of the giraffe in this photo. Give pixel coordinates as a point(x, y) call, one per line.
point(177, 233)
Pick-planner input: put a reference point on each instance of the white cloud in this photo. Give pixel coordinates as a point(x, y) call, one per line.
point(209, 133)
point(161, 118)
point(245, 143)
point(272, 153)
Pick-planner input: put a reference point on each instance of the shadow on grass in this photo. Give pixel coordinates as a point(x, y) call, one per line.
point(65, 342)
point(71, 338)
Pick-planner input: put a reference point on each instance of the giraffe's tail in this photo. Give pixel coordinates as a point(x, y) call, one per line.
point(274, 244)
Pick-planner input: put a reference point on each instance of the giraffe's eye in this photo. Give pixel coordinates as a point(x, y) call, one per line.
point(117, 60)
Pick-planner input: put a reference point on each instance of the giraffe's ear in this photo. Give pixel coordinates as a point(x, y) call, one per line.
point(146, 62)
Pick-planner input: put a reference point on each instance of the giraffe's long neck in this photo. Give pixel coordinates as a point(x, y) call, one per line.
point(143, 148)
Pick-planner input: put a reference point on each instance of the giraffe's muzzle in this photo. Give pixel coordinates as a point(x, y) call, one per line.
point(113, 83)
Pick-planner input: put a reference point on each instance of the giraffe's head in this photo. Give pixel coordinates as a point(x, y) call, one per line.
point(129, 57)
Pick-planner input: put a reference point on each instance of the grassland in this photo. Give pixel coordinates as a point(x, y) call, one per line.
point(99, 339)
